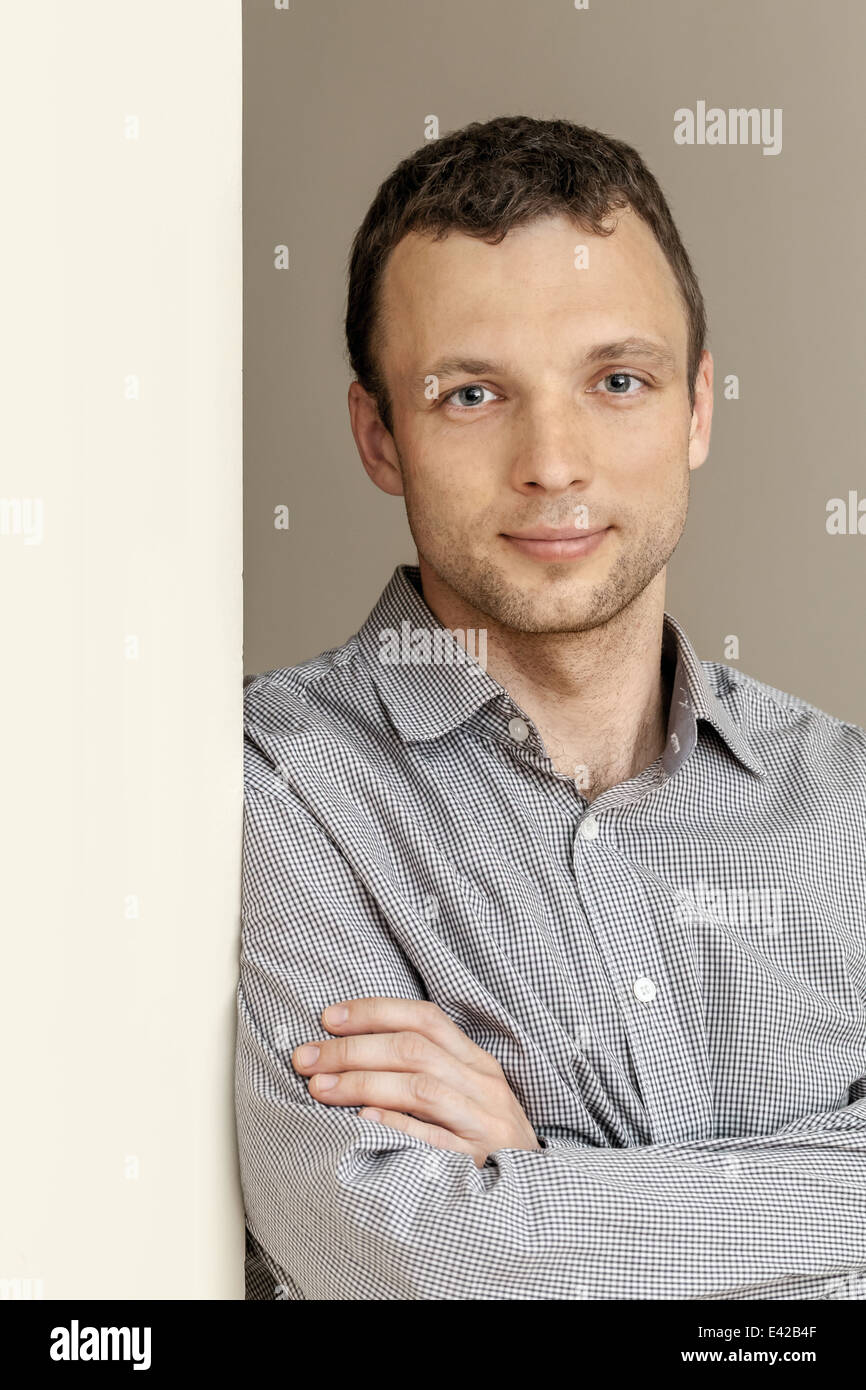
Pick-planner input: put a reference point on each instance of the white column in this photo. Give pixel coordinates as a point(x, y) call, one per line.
point(120, 574)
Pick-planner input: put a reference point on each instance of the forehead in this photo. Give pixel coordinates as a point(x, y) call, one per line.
point(461, 291)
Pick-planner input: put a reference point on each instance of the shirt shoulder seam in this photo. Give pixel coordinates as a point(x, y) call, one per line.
point(306, 674)
point(780, 701)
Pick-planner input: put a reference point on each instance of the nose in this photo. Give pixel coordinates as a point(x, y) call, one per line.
point(551, 450)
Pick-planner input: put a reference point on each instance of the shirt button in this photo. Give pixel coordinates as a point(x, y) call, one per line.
point(518, 729)
point(431, 909)
point(644, 989)
point(588, 828)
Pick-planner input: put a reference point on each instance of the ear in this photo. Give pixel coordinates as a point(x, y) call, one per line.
point(374, 443)
point(702, 414)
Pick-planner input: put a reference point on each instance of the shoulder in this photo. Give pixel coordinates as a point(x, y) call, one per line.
point(782, 727)
point(290, 712)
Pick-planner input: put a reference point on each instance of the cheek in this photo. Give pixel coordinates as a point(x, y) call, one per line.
point(652, 459)
point(449, 474)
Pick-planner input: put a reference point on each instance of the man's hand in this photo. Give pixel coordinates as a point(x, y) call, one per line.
point(413, 1069)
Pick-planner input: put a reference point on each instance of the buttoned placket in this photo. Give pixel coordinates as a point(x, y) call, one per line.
point(653, 1010)
point(662, 1017)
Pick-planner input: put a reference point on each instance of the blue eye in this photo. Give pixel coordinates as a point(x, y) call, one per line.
point(623, 376)
point(473, 389)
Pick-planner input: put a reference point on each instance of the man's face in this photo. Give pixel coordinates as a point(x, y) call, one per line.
point(530, 432)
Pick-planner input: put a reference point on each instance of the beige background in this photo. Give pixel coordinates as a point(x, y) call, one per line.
point(337, 93)
point(121, 782)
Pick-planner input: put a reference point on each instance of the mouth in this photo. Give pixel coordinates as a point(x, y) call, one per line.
point(553, 545)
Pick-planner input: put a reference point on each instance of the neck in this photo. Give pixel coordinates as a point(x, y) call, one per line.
point(599, 698)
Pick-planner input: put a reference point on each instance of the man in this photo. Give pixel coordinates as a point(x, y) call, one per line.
point(592, 912)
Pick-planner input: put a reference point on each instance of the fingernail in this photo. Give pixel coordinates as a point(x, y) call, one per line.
point(372, 1114)
point(337, 1013)
point(306, 1056)
point(325, 1082)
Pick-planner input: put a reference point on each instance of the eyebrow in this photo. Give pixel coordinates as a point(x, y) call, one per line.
point(645, 348)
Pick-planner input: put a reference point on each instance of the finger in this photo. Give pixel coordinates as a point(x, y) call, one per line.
point(432, 1134)
point(403, 1051)
point(411, 1093)
point(384, 1015)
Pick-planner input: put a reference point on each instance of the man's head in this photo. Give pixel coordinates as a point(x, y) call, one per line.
point(527, 335)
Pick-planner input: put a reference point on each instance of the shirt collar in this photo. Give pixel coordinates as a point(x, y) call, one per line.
point(430, 683)
point(693, 698)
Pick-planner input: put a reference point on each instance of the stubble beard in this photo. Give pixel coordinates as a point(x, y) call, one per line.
point(559, 600)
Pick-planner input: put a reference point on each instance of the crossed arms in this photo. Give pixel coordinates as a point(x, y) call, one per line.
point(416, 1206)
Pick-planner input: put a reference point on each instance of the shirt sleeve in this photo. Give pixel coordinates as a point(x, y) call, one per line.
point(343, 1208)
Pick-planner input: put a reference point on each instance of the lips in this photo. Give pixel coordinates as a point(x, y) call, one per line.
point(546, 533)
point(549, 544)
